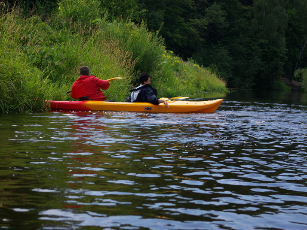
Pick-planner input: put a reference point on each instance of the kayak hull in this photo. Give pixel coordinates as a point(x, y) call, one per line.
point(174, 106)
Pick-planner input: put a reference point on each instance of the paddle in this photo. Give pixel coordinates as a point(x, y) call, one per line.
point(173, 98)
point(178, 98)
point(115, 78)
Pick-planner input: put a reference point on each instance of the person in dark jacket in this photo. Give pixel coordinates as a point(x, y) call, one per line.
point(145, 92)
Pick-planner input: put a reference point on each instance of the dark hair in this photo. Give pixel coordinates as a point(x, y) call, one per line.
point(143, 77)
point(84, 70)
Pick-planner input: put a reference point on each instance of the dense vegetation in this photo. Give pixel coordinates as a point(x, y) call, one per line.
point(43, 44)
point(248, 44)
point(245, 42)
point(251, 44)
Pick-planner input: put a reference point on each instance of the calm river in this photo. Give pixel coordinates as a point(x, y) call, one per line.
point(242, 167)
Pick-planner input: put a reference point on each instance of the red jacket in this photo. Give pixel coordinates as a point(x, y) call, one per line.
point(89, 86)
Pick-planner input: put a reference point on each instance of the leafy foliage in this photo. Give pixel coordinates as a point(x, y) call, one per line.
point(301, 74)
point(244, 42)
point(21, 85)
point(83, 11)
point(40, 58)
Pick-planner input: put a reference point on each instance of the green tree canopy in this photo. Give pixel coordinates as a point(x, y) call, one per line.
point(245, 42)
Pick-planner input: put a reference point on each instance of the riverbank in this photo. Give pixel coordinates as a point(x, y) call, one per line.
point(293, 85)
point(40, 58)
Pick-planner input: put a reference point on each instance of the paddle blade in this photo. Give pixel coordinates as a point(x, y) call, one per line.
point(178, 98)
point(115, 78)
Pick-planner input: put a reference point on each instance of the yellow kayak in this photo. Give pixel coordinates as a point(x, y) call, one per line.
point(174, 106)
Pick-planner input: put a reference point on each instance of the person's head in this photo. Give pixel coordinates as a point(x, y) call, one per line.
point(144, 78)
point(84, 70)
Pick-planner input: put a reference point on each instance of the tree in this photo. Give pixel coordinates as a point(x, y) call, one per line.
point(246, 42)
point(296, 37)
point(124, 9)
point(43, 7)
point(269, 25)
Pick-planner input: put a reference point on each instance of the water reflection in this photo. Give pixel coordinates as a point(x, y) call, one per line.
point(243, 167)
point(293, 97)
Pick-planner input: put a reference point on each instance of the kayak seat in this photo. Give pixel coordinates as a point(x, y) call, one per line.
point(84, 98)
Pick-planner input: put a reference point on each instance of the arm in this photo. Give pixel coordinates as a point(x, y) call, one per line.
point(165, 103)
point(128, 99)
point(152, 98)
point(102, 84)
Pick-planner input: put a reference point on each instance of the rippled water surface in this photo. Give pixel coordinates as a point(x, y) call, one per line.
point(242, 167)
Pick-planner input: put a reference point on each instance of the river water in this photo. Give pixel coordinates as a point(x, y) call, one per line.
point(242, 167)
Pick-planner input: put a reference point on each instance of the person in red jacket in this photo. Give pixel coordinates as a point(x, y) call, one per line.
point(88, 87)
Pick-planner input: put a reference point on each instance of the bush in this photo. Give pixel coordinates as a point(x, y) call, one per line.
point(22, 86)
point(179, 78)
point(169, 73)
point(78, 11)
point(145, 48)
point(40, 60)
point(301, 75)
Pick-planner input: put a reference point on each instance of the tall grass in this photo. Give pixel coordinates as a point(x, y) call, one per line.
point(81, 11)
point(146, 48)
point(21, 85)
point(40, 59)
point(170, 74)
point(177, 77)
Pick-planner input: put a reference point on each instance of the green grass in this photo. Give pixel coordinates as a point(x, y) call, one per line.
point(40, 59)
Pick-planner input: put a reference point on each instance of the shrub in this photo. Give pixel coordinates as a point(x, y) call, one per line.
point(179, 78)
point(40, 59)
point(79, 11)
point(145, 48)
point(22, 86)
point(301, 75)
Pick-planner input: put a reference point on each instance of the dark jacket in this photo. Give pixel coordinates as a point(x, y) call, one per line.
point(143, 93)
